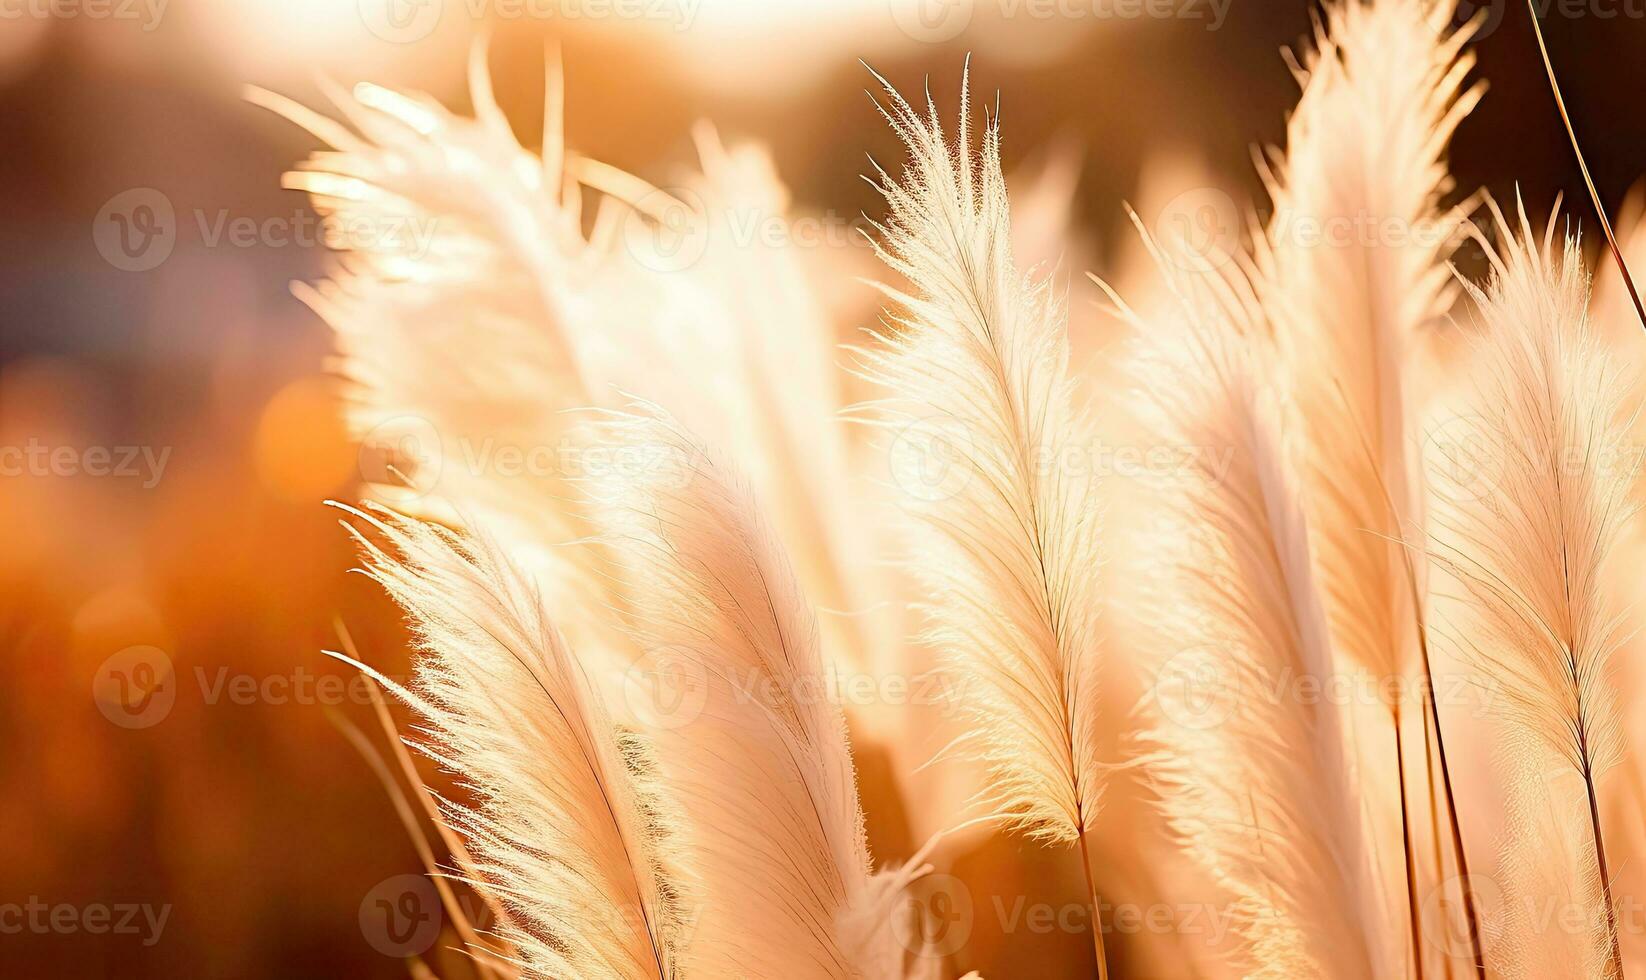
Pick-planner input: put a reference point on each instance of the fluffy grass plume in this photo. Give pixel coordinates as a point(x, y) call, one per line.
point(755, 754)
point(700, 816)
point(1254, 782)
point(975, 362)
point(1349, 298)
point(456, 311)
point(563, 833)
point(1529, 535)
point(1546, 861)
point(476, 244)
point(1354, 274)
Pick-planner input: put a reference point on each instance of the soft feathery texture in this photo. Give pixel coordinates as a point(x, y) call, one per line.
point(1353, 272)
point(987, 452)
point(1248, 763)
point(1548, 920)
point(455, 305)
point(461, 241)
point(473, 311)
point(1527, 509)
point(779, 398)
point(565, 833)
point(754, 750)
point(1353, 269)
point(1527, 526)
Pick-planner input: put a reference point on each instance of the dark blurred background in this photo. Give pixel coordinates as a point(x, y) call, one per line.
point(228, 825)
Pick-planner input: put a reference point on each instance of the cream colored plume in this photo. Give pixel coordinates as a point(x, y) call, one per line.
point(1549, 923)
point(564, 833)
point(455, 304)
point(780, 422)
point(751, 742)
point(472, 311)
point(984, 446)
point(1527, 510)
point(1354, 271)
point(1242, 746)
